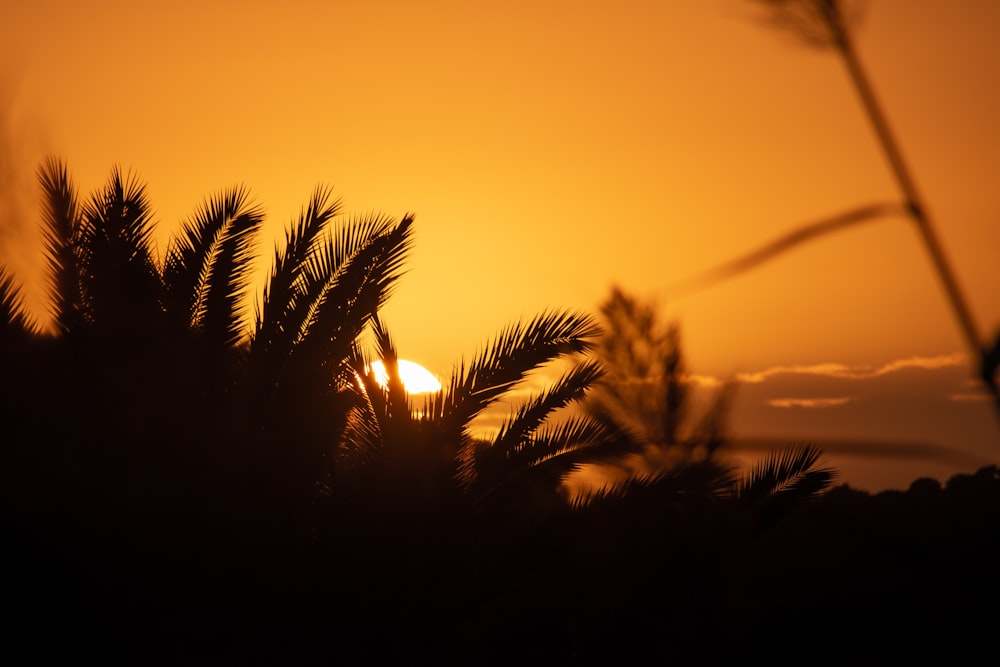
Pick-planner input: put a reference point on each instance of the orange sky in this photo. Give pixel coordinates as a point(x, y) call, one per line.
point(550, 149)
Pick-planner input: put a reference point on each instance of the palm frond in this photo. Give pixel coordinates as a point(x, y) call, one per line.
point(60, 221)
point(519, 426)
point(566, 446)
point(14, 320)
point(521, 442)
point(208, 267)
point(704, 480)
point(363, 433)
point(221, 315)
point(121, 285)
point(790, 472)
point(349, 288)
point(363, 379)
point(276, 325)
point(384, 407)
point(507, 359)
point(541, 461)
point(397, 403)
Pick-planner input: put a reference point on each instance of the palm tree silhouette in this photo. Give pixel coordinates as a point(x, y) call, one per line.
point(168, 396)
point(436, 445)
point(203, 457)
point(325, 288)
point(644, 399)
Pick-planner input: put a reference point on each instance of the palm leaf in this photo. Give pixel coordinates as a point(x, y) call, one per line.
point(349, 288)
point(121, 285)
point(790, 472)
point(518, 446)
point(704, 480)
point(222, 311)
point(60, 221)
point(507, 359)
point(208, 268)
point(13, 318)
point(363, 429)
point(397, 403)
point(554, 451)
point(277, 326)
point(372, 428)
point(534, 472)
point(519, 427)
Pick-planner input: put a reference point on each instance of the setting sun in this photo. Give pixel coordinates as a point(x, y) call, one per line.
point(416, 379)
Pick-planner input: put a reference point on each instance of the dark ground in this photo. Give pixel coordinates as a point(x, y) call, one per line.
point(847, 579)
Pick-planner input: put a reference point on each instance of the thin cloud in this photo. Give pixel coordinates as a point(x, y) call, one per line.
point(963, 397)
point(808, 402)
point(837, 370)
point(707, 381)
point(860, 447)
point(828, 369)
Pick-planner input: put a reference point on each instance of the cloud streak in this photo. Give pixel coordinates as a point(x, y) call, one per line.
point(881, 425)
point(858, 372)
point(808, 402)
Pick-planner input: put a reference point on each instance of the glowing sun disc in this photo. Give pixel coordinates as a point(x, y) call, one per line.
point(416, 379)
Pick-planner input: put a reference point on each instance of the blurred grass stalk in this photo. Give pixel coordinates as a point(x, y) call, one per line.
point(800, 16)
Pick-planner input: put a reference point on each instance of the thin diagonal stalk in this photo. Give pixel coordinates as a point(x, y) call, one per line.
point(908, 188)
point(807, 232)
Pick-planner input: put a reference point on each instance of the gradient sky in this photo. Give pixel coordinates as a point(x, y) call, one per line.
point(552, 149)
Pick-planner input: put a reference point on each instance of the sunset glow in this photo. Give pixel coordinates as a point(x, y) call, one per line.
point(704, 295)
point(548, 151)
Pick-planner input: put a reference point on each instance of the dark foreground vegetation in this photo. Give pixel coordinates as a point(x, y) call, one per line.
point(848, 579)
point(179, 486)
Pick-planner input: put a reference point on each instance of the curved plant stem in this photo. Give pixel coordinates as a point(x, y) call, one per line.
point(914, 204)
point(807, 232)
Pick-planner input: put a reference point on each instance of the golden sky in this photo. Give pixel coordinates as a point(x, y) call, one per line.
point(550, 149)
